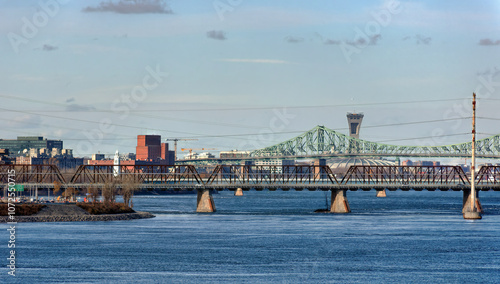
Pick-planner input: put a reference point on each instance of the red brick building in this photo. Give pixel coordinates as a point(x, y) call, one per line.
point(150, 148)
point(149, 151)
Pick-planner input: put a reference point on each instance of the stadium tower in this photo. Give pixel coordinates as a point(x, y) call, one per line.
point(354, 120)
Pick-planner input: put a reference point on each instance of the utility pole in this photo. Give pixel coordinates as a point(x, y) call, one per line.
point(472, 212)
point(473, 161)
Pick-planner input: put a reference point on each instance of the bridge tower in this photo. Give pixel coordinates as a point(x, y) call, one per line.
point(354, 120)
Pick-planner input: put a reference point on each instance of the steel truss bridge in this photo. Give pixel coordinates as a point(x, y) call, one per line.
point(322, 142)
point(246, 177)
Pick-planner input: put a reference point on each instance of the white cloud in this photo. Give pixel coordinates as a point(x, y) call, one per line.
point(131, 7)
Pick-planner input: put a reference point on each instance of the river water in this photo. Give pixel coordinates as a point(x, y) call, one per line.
point(269, 237)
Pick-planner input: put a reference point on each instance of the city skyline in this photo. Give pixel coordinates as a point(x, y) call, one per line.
point(97, 73)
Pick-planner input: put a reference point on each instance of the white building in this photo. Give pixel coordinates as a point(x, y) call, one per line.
point(276, 162)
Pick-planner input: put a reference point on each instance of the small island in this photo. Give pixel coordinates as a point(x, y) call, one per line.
point(71, 212)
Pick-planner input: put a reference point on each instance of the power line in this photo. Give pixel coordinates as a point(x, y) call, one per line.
point(488, 118)
point(233, 135)
point(235, 108)
point(416, 138)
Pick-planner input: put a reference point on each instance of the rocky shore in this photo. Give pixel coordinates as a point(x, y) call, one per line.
point(73, 213)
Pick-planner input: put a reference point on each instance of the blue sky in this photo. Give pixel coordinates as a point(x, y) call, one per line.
point(234, 65)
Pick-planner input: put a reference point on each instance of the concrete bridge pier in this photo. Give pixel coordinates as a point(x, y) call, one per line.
point(339, 202)
point(238, 192)
point(381, 193)
point(467, 201)
point(205, 201)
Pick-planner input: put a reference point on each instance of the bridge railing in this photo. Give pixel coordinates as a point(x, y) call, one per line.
point(271, 174)
point(26, 174)
point(149, 174)
point(406, 175)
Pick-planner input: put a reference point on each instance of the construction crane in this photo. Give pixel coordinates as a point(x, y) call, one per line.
point(175, 144)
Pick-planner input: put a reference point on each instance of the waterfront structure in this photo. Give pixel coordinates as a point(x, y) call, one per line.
point(18, 146)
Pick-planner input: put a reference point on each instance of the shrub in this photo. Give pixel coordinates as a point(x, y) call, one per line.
point(105, 208)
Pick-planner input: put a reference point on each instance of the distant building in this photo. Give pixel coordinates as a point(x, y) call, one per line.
point(354, 120)
point(97, 157)
point(68, 153)
point(4, 159)
point(61, 162)
point(274, 162)
point(150, 148)
point(206, 155)
point(423, 163)
point(149, 151)
point(17, 147)
point(234, 154)
point(407, 163)
point(128, 156)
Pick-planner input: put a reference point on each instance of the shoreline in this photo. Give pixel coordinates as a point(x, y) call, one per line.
point(73, 213)
point(80, 218)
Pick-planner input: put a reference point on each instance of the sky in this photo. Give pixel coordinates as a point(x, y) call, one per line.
point(241, 74)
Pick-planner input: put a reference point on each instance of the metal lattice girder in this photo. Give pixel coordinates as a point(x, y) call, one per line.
point(324, 142)
point(148, 174)
point(232, 175)
point(488, 175)
point(406, 175)
point(23, 174)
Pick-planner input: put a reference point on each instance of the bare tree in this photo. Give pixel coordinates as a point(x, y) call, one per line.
point(109, 192)
point(57, 187)
point(69, 192)
point(129, 185)
point(93, 193)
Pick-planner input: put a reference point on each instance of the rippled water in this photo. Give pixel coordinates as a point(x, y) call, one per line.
point(408, 237)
